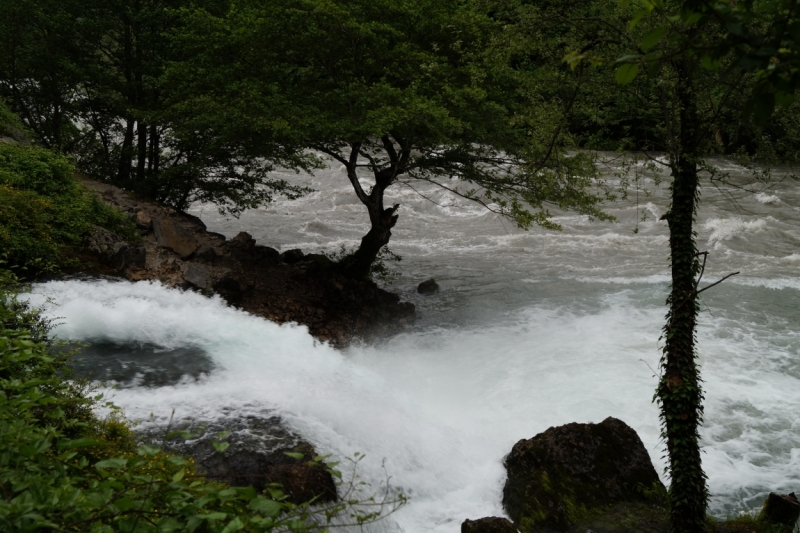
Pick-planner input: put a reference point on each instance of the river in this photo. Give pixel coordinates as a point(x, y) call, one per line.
point(529, 330)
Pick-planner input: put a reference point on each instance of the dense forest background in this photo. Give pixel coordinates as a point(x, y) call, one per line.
point(184, 102)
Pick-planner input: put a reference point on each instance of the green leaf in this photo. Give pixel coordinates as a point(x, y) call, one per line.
point(626, 73)
point(709, 63)
point(148, 450)
point(234, 525)
point(111, 464)
point(266, 507)
point(78, 443)
point(294, 455)
point(220, 446)
point(179, 475)
point(652, 37)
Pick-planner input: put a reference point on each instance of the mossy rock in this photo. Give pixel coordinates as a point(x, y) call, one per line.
point(575, 474)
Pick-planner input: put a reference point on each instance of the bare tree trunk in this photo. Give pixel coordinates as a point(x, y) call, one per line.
point(126, 154)
point(679, 391)
point(141, 159)
point(381, 220)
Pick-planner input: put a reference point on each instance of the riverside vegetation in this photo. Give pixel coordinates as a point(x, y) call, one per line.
point(192, 102)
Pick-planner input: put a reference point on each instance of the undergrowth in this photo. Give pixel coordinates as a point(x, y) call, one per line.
point(62, 468)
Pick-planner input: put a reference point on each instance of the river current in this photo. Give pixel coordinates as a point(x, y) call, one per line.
point(529, 330)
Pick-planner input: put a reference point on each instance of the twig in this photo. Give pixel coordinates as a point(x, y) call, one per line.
point(717, 283)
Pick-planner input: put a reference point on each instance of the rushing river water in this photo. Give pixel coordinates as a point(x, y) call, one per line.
point(530, 330)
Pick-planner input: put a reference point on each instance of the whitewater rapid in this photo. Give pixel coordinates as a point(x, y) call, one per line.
point(530, 329)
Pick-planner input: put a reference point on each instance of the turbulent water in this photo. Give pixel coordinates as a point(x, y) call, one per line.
point(529, 330)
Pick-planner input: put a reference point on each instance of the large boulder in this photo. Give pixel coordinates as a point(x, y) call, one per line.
point(491, 524)
point(571, 473)
point(256, 456)
point(173, 236)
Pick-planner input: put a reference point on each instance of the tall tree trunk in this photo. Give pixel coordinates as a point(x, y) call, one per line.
point(141, 159)
point(126, 154)
point(679, 391)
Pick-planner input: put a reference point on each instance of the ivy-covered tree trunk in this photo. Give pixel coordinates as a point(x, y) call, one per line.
point(679, 391)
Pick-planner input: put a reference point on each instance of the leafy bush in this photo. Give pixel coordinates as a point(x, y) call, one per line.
point(64, 469)
point(45, 211)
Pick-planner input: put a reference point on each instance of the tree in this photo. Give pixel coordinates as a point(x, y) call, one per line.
point(396, 92)
point(664, 43)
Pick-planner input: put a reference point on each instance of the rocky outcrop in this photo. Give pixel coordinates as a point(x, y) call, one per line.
point(491, 524)
point(571, 473)
point(177, 250)
point(781, 510)
point(256, 456)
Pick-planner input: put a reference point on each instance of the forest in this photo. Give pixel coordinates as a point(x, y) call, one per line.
point(509, 105)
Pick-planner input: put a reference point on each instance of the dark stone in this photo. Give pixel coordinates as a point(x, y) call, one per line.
point(570, 473)
point(194, 220)
point(112, 249)
point(173, 236)
point(428, 287)
point(782, 510)
point(317, 259)
point(291, 257)
point(136, 257)
point(257, 457)
point(197, 275)
point(266, 254)
point(492, 524)
point(206, 253)
point(242, 240)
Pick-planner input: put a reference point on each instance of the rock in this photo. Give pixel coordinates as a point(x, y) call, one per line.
point(428, 287)
point(171, 235)
point(265, 253)
point(198, 275)
point(492, 524)
point(242, 240)
point(256, 457)
point(293, 256)
point(143, 220)
point(782, 510)
point(112, 249)
point(568, 473)
point(206, 253)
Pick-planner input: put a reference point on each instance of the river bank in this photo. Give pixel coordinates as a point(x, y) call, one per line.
point(177, 251)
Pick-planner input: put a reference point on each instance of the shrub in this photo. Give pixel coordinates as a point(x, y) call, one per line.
point(45, 211)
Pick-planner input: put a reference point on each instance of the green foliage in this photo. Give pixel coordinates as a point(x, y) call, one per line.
point(45, 211)
point(64, 469)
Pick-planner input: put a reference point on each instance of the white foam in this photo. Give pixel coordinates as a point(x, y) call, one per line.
point(723, 229)
point(443, 406)
point(768, 199)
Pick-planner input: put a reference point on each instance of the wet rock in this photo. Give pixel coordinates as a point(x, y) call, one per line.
point(256, 457)
point(206, 253)
point(112, 249)
point(492, 524)
point(568, 473)
point(428, 287)
point(197, 275)
point(293, 256)
point(143, 220)
point(243, 240)
point(266, 254)
point(173, 236)
point(782, 510)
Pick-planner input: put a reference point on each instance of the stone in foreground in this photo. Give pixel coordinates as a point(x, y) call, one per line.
point(573, 473)
point(491, 524)
point(428, 287)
